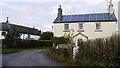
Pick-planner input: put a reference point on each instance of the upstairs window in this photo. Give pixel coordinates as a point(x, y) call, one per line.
point(66, 26)
point(98, 26)
point(81, 26)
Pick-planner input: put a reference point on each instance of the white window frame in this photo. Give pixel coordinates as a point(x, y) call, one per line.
point(98, 27)
point(80, 26)
point(66, 27)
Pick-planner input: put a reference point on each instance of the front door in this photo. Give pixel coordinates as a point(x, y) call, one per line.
point(79, 41)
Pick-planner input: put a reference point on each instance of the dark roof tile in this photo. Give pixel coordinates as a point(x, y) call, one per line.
point(23, 29)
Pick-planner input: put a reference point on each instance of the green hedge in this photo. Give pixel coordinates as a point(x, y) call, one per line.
point(61, 55)
point(19, 43)
point(99, 52)
point(61, 40)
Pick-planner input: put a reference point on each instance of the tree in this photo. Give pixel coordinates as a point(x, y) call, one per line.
point(13, 33)
point(12, 36)
point(46, 36)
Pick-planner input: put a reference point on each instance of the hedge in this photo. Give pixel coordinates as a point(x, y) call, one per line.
point(19, 43)
point(61, 55)
point(102, 52)
point(61, 40)
point(99, 52)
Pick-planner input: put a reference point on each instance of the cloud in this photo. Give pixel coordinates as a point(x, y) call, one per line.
point(42, 14)
point(54, 0)
point(30, 14)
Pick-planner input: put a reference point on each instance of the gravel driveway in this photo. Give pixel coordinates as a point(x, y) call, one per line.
point(29, 58)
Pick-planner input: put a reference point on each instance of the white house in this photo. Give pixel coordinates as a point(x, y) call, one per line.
point(26, 32)
point(86, 26)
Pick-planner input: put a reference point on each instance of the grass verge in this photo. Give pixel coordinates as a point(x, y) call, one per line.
point(13, 50)
point(60, 58)
point(5, 51)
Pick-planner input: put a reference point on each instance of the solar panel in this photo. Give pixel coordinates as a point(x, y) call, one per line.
point(79, 17)
point(99, 17)
point(73, 18)
point(92, 17)
point(105, 14)
point(65, 18)
point(70, 18)
point(86, 17)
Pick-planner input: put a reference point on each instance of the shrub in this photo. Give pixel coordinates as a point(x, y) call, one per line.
point(61, 55)
point(46, 36)
point(19, 43)
point(11, 43)
point(99, 52)
point(60, 40)
point(60, 51)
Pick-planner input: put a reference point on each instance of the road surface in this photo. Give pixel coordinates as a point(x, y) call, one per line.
point(29, 58)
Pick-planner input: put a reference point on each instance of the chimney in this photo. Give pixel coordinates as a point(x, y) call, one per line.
point(59, 11)
point(33, 27)
point(110, 8)
point(7, 20)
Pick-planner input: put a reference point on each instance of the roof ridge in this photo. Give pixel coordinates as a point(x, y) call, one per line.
point(84, 14)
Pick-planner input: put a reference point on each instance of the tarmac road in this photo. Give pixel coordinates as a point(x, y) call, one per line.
point(29, 58)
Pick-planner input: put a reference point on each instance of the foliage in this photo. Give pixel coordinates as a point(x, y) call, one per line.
point(99, 52)
point(61, 55)
point(60, 40)
point(46, 36)
point(12, 50)
point(19, 43)
point(13, 33)
point(63, 40)
point(4, 51)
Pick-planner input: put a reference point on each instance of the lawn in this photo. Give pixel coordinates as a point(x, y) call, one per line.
point(12, 50)
point(5, 51)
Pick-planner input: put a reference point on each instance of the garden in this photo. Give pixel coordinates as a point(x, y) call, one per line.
point(103, 52)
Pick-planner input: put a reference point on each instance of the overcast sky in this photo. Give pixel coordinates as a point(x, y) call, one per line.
point(41, 13)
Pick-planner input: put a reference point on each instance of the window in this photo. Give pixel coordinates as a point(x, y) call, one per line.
point(66, 26)
point(98, 26)
point(79, 41)
point(81, 26)
point(3, 33)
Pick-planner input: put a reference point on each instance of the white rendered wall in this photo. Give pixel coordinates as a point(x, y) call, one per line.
point(108, 29)
point(1, 37)
point(24, 36)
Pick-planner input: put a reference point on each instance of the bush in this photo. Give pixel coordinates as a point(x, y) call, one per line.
point(46, 36)
point(11, 43)
point(19, 43)
point(61, 55)
point(60, 40)
point(61, 51)
point(99, 52)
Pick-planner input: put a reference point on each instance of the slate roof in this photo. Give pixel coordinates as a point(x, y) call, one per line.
point(86, 18)
point(23, 29)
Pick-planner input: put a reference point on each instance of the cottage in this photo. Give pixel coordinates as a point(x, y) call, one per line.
point(86, 26)
point(26, 32)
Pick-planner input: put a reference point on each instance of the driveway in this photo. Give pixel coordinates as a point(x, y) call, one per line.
point(29, 58)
